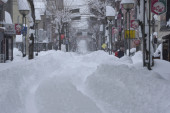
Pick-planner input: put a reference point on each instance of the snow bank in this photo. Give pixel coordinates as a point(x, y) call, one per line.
point(121, 89)
point(162, 67)
point(60, 82)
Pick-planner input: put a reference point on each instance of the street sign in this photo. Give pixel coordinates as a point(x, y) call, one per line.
point(24, 30)
point(18, 28)
point(159, 6)
point(134, 24)
point(9, 29)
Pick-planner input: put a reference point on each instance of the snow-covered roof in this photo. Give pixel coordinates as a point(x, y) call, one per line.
point(8, 18)
point(127, 1)
point(110, 11)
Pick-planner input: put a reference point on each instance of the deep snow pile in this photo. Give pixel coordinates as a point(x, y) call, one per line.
point(59, 82)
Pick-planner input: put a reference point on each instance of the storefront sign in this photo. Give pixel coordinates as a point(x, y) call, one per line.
point(18, 28)
point(132, 34)
point(159, 6)
point(134, 24)
point(9, 29)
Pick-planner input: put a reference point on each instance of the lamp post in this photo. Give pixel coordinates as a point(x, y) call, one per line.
point(37, 21)
point(128, 6)
point(24, 13)
point(110, 14)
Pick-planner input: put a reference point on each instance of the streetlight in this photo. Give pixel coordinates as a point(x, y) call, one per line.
point(37, 21)
point(110, 14)
point(24, 12)
point(128, 5)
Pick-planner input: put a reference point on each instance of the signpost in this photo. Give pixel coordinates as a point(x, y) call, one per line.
point(159, 7)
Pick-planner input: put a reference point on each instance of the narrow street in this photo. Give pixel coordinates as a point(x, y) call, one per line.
point(84, 56)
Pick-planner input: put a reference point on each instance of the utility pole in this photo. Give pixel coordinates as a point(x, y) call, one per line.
point(149, 64)
point(143, 34)
point(67, 37)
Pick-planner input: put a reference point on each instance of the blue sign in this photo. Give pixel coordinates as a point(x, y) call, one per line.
point(24, 30)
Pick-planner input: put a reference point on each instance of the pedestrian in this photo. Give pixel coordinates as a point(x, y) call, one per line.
point(116, 53)
point(120, 53)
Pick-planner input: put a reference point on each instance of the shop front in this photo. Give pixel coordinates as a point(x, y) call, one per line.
point(2, 46)
point(166, 48)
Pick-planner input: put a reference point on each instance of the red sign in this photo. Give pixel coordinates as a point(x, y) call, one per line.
point(114, 30)
point(159, 6)
point(18, 28)
point(62, 36)
point(136, 42)
point(134, 24)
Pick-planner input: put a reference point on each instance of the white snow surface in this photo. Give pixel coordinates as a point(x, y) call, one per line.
point(62, 82)
point(5, 1)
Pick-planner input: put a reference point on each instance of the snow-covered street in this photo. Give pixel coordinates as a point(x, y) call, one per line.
point(60, 82)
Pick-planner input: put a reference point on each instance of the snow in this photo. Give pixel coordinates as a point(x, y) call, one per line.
point(5, 1)
point(127, 1)
point(82, 47)
point(158, 52)
point(156, 17)
point(168, 23)
point(23, 5)
point(8, 18)
point(155, 34)
point(66, 82)
point(110, 11)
